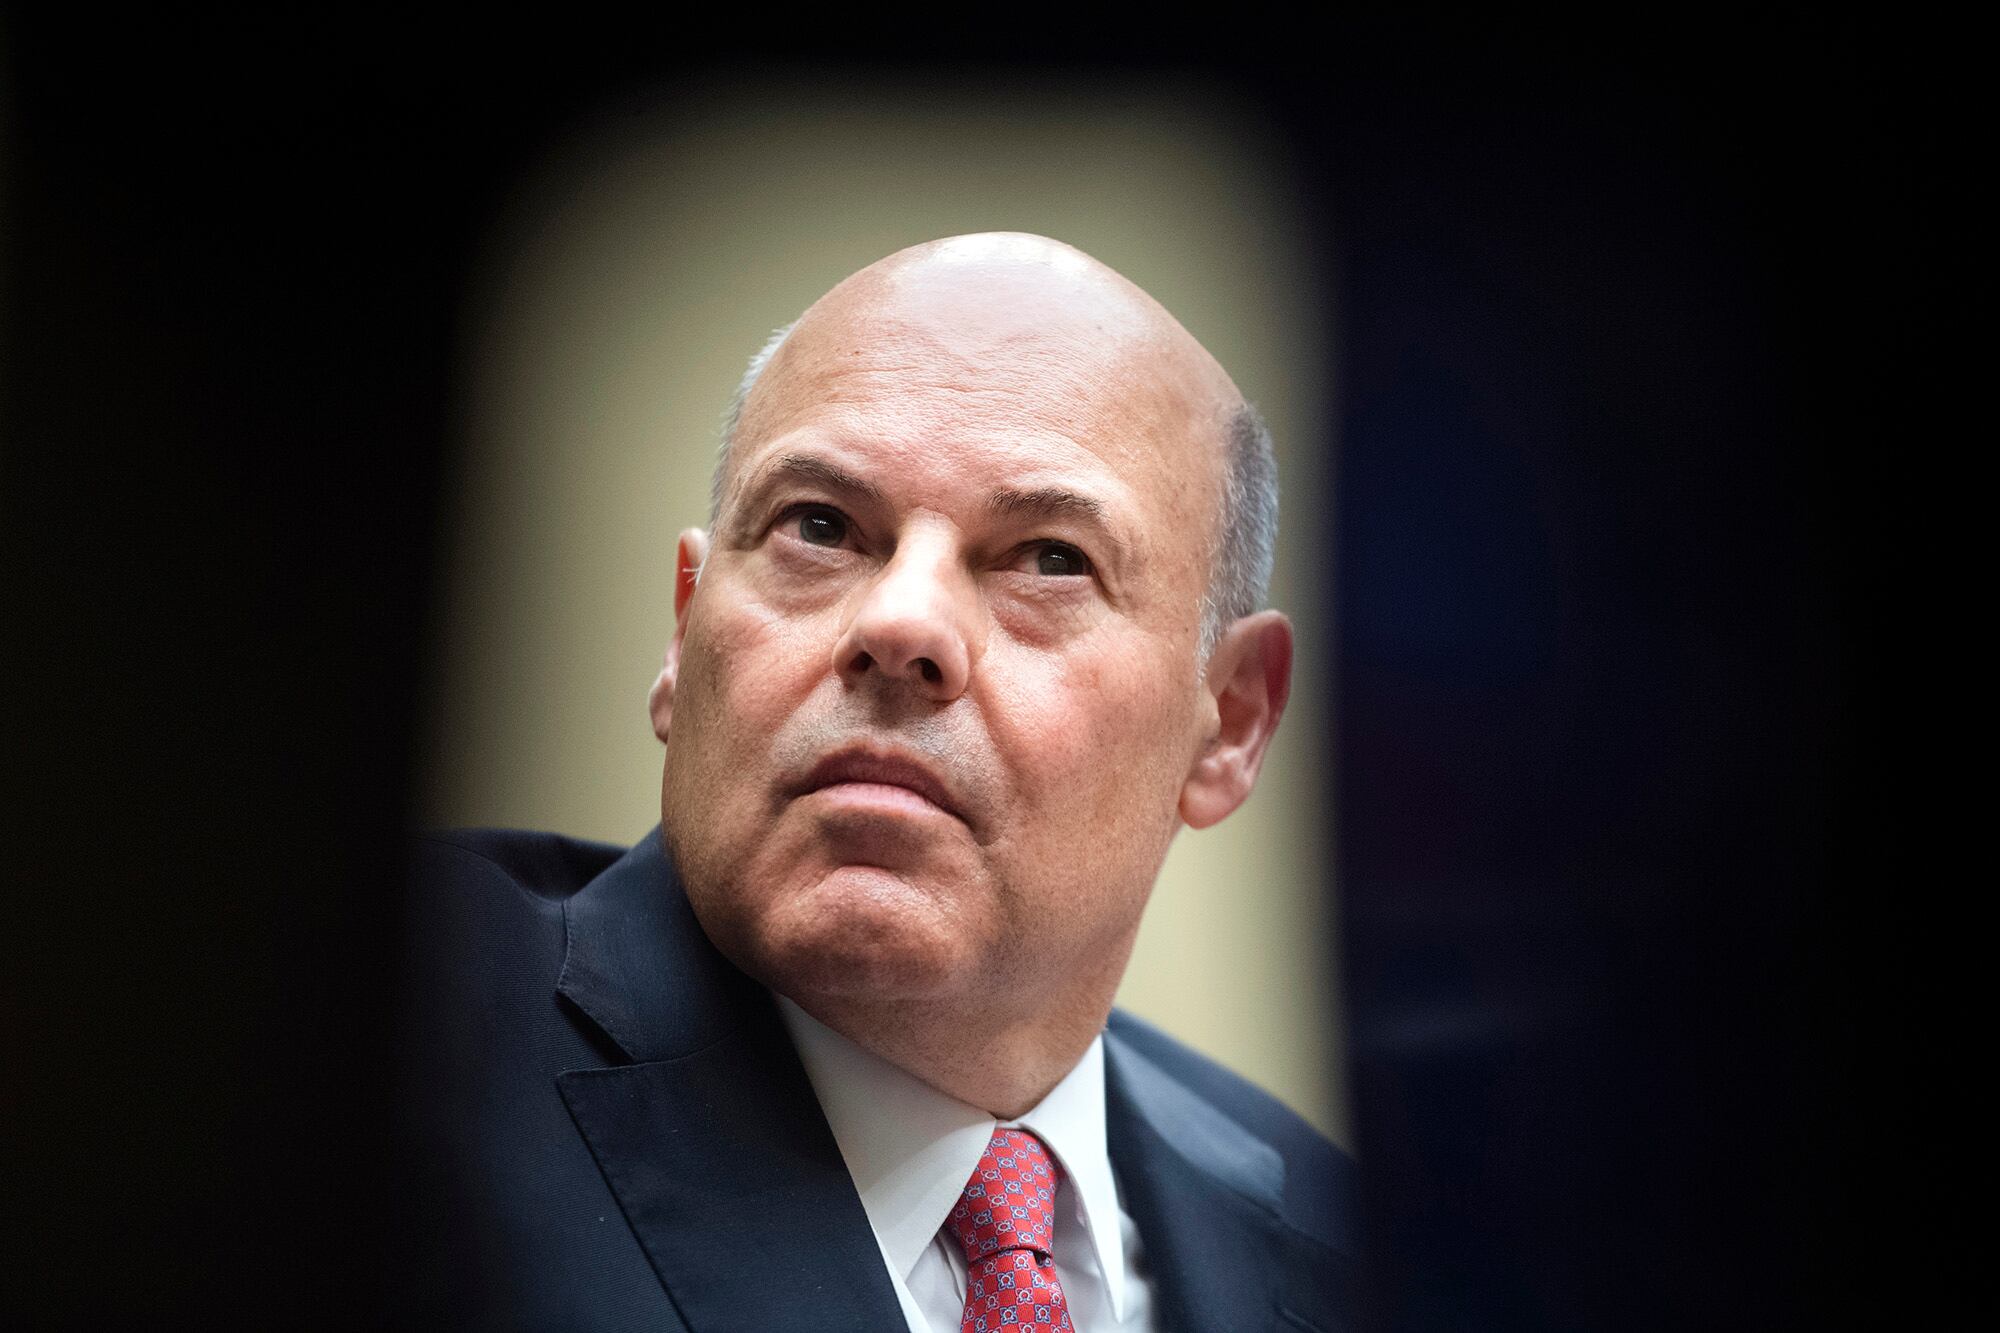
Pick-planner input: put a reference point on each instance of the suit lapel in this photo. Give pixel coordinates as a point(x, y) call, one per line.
point(712, 1141)
point(727, 1173)
point(1208, 1202)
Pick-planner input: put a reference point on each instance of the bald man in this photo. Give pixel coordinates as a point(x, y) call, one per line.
point(974, 630)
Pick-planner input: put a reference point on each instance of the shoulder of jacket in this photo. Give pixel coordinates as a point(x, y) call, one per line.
point(547, 866)
point(1319, 1175)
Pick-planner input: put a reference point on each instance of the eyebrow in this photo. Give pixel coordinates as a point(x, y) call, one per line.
point(1045, 502)
point(1053, 502)
point(804, 467)
point(796, 467)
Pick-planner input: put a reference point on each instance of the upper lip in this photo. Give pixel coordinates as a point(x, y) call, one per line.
point(865, 763)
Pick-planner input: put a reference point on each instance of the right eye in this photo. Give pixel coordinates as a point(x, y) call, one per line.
point(820, 526)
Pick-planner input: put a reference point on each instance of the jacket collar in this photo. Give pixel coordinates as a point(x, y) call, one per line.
point(711, 1140)
point(1209, 1202)
point(638, 964)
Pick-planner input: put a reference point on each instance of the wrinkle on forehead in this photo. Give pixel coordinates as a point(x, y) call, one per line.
point(940, 391)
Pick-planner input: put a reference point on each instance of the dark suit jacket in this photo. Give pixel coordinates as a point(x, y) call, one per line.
point(607, 1127)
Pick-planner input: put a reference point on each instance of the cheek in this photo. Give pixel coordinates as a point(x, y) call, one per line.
point(1099, 747)
point(748, 663)
point(744, 671)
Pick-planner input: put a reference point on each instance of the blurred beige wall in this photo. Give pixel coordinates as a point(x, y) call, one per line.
point(631, 278)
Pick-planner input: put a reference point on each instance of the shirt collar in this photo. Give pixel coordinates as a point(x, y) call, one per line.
point(910, 1148)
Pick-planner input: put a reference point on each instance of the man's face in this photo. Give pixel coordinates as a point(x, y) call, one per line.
point(936, 692)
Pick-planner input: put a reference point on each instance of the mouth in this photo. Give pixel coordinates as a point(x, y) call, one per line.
point(884, 779)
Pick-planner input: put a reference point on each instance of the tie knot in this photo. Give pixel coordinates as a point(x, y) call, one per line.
point(1010, 1202)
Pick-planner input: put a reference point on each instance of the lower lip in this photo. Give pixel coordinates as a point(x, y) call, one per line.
point(878, 797)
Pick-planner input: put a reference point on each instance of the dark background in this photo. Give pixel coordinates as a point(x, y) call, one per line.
point(1613, 423)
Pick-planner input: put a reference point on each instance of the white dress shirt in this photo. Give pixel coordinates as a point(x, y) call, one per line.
point(911, 1148)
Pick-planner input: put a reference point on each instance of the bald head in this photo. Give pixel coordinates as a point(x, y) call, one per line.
point(1007, 313)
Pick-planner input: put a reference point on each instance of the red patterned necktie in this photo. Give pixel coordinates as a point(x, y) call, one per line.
point(1005, 1222)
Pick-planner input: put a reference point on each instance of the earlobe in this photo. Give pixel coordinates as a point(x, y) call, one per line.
point(690, 554)
point(1249, 679)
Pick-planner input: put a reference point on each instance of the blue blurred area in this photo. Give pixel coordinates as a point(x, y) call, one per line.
point(1602, 432)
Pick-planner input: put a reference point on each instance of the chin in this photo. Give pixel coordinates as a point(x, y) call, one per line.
point(860, 931)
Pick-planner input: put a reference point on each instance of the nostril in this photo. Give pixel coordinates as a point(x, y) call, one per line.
point(863, 661)
point(930, 670)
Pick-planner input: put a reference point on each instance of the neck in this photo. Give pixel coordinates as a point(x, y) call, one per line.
point(1003, 1067)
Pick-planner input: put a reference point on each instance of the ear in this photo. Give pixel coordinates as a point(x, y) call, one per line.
point(1249, 677)
point(690, 552)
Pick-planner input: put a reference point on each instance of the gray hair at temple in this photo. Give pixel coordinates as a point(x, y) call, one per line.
point(1240, 574)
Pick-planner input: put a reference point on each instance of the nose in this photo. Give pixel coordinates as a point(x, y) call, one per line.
point(913, 623)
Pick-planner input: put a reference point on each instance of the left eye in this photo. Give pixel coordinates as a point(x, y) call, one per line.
point(1059, 561)
point(822, 527)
